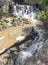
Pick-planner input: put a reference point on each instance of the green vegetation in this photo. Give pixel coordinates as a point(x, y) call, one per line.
point(44, 12)
point(5, 13)
point(14, 21)
point(1, 26)
point(42, 15)
point(45, 2)
point(4, 24)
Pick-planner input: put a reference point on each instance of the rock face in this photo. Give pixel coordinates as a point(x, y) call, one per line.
point(9, 36)
point(10, 56)
point(32, 1)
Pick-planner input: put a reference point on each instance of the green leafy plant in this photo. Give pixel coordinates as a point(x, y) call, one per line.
point(14, 21)
point(4, 24)
point(42, 15)
point(5, 13)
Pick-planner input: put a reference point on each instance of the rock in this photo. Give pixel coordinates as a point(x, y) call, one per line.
point(26, 21)
point(39, 62)
point(9, 24)
point(2, 37)
point(8, 20)
point(20, 38)
point(2, 50)
point(43, 64)
point(43, 54)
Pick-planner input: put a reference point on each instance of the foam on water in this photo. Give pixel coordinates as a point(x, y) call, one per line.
point(25, 11)
point(22, 57)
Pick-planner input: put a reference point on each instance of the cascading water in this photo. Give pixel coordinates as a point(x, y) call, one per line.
point(36, 45)
point(23, 11)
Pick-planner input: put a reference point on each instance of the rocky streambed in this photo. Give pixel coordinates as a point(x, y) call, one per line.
point(17, 49)
point(26, 43)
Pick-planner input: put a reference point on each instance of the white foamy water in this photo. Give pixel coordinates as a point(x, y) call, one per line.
point(22, 57)
point(25, 54)
point(25, 11)
point(37, 44)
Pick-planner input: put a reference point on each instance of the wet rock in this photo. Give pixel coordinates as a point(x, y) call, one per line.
point(38, 62)
point(43, 53)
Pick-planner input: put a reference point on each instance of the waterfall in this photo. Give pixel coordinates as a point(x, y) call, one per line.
point(25, 11)
point(22, 57)
point(36, 45)
point(29, 12)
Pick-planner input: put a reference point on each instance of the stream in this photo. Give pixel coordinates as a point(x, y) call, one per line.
point(32, 47)
point(22, 11)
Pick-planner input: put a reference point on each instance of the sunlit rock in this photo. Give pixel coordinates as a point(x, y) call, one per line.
point(20, 38)
point(2, 50)
point(9, 24)
point(8, 20)
point(2, 37)
point(39, 62)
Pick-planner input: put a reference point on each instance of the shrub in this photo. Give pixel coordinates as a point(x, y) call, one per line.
point(1, 26)
point(14, 21)
point(5, 13)
point(42, 15)
point(4, 24)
